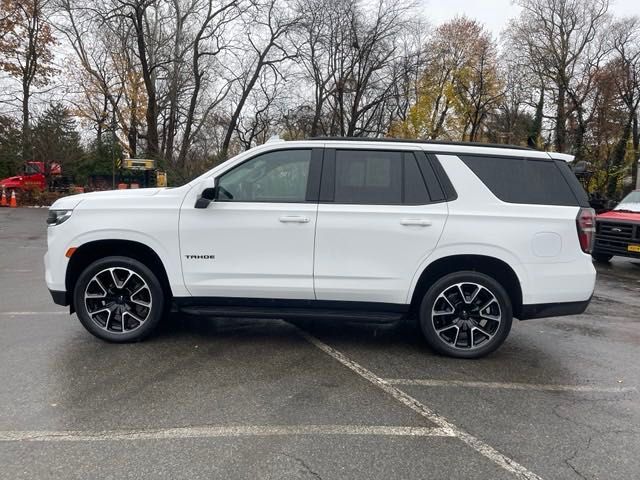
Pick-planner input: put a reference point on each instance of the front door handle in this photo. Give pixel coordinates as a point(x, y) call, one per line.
point(420, 222)
point(294, 219)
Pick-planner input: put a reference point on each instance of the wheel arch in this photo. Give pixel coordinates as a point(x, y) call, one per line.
point(91, 251)
point(494, 267)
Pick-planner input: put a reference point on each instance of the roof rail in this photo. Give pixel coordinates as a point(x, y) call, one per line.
point(430, 142)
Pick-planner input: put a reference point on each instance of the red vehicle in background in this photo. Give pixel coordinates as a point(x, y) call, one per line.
point(618, 231)
point(34, 178)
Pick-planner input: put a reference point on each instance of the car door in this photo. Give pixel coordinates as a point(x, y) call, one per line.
point(255, 240)
point(381, 213)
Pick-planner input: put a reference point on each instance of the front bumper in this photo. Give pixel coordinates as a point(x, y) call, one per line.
point(60, 297)
point(603, 248)
point(544, 310)
point(615, 237)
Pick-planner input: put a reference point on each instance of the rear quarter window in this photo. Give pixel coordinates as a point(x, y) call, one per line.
point(523, 180)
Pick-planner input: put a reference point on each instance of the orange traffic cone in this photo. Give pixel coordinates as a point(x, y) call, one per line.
point(3, 201)
point(12, 202)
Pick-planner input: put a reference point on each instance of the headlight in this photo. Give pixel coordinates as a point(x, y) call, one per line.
point(56, 217)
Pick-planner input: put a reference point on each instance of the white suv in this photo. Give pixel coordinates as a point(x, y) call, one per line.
point(462, 236)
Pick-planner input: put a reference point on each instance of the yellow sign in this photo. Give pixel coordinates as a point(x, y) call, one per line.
point(634, 248)
point(138, 164)
point(161, 179)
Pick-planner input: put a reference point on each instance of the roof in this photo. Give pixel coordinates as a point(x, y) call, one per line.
point(429, 142)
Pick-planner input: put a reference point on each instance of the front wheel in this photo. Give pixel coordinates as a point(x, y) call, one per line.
point(466, 315)
point(119, 299)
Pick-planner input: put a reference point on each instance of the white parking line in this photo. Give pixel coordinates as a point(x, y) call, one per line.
point(508, 386)
point(478, 445)
point(217, 431)
point(13, 314)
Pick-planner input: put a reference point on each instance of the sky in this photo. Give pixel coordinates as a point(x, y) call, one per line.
point(495, 13)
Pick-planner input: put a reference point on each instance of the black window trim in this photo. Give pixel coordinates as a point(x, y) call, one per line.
point(446, 187)
point(313, 178)
point(577, 189)
point(327, 183)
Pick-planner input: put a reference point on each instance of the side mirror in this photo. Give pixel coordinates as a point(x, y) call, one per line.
point(208, 195)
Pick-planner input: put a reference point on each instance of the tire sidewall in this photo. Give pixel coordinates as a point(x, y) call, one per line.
point(445, 282)
point(157, 311)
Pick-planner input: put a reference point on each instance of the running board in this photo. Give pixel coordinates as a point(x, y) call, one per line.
point(294, 313)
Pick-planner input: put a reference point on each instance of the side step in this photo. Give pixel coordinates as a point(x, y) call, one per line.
point(294, 313)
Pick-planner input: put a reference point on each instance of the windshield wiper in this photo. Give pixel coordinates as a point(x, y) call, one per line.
point(625, 210)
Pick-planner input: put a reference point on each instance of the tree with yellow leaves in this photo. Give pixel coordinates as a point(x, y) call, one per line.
point(25, 52)
point(459, 85)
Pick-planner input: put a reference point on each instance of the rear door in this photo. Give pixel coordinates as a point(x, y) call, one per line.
point(381, 213)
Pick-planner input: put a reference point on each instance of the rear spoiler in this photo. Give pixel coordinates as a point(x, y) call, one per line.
point(561, 156)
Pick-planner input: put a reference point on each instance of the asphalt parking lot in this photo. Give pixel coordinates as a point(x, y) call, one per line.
point(229, 398)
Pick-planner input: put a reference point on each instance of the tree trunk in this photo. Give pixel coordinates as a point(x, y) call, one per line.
point(170, 131)
point(636, 151)
point(316, 116)
point(579, 141)
point(132, 137)
point(26, 127)
point(618, 159)
point(233, 122)
point(152, 106)
point(438, 127)
point(561, 120)
point(186, 141)
point(536, 127)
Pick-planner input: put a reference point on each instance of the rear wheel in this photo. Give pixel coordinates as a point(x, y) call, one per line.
point(119, 299)
point(601, 257)
point(466, 315)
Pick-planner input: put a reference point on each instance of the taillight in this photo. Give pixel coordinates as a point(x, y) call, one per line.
point(586, 223)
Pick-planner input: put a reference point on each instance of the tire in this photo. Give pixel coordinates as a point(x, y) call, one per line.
point(455, 324)
point(601, 257)
point(124, 299)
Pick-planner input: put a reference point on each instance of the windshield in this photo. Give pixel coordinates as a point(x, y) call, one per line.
point(31, 168)
point(630, 203)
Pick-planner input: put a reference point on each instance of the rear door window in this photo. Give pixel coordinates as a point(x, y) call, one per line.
point(377, 177)
point(368, 177)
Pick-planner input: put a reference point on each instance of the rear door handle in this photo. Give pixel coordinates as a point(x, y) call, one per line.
point(420, 222)
point(294, 219)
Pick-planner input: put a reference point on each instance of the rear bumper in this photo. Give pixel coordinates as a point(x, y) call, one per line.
point(59, 297)
point(544, 310)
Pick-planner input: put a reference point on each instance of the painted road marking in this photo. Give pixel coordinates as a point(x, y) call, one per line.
point(478, 445)
point(218, 431)
point(508, 386)
point(32, 313)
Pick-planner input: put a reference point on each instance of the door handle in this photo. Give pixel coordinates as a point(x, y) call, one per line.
point(420, 222)
point(294, 219)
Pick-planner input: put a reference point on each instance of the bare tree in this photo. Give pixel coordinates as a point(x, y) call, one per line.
point(626, 65)
point(269, 46)
point(479, 89)
point(209, 41)
point(25, 53)
point(555, 35)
